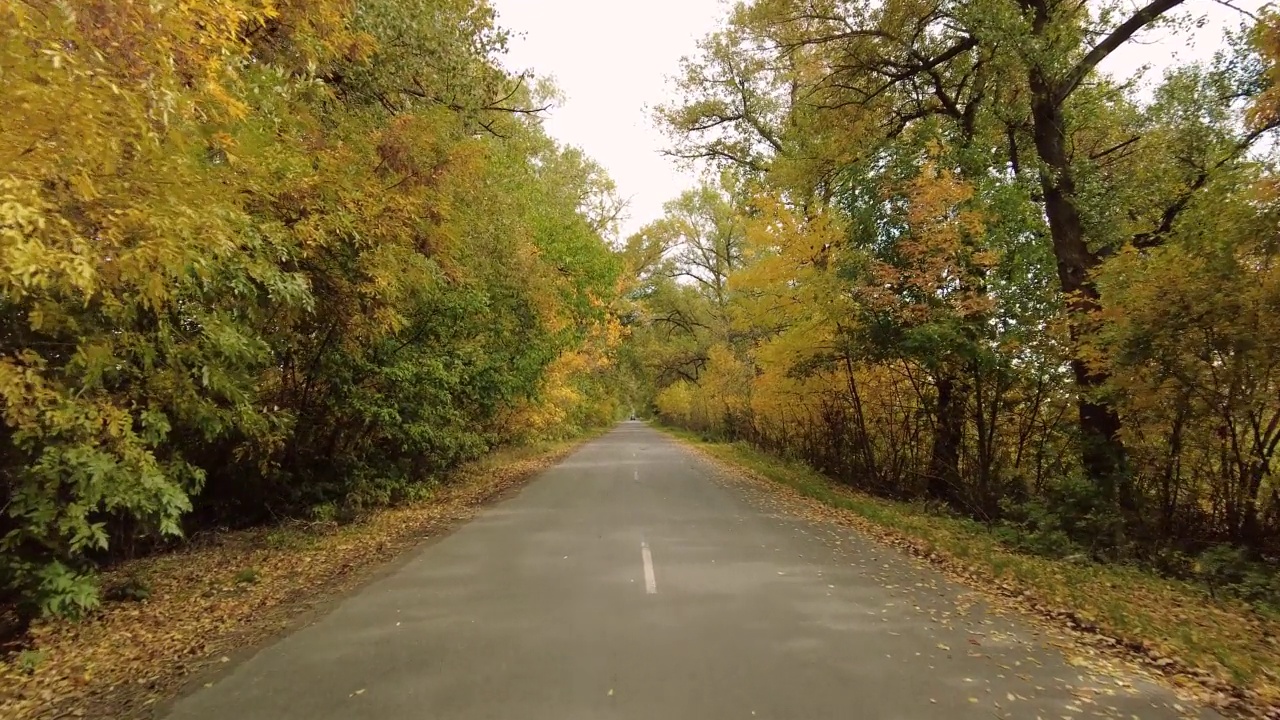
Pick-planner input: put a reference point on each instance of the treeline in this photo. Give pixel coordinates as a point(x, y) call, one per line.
point(268, 259)
point(950, 260)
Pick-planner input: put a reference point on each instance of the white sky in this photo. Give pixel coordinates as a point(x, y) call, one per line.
point(612, 58)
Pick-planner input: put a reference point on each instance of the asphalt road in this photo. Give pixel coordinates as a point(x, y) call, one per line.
point(628, 582)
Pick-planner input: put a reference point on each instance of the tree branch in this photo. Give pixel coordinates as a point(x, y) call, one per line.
point(1115, 148)
point(1155, 237)
point(1139, 20)
point(1242, 11)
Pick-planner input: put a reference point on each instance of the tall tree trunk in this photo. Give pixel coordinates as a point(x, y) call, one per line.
point(1250, 529)
point(1103, 452)
point(862, 436)
point(948, 433)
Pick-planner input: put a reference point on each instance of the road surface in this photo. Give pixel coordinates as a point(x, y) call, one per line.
point(627, 582)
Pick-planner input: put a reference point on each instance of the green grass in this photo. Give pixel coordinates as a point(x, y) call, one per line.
point(247, 576)
point(1173, 620)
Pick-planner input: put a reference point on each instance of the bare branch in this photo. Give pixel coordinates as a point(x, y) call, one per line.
point(1115, 148)
point(1139, 20)
point(1242, 11)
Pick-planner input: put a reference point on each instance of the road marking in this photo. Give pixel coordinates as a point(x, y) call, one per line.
point(650, 583)
point(636, 474)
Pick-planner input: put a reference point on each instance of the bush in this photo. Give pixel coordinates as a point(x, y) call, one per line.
point(1228, 570)
point(1039, 528)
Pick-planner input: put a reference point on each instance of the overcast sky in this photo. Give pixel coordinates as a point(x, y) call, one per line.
point(612, 58)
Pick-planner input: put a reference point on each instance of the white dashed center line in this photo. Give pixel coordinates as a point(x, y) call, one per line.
point(650, 583)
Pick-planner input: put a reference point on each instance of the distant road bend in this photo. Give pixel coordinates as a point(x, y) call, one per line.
point(627, 582)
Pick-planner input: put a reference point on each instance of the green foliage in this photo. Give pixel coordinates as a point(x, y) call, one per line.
point(30, 660)
point(1230, 571)
point(1069, 518)
point(247, 576)
point(51, 588)
point(1038, 531)
point(259, 261)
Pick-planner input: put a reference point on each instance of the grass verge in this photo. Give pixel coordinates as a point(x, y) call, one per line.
point(1225, 650)
point(226, 591)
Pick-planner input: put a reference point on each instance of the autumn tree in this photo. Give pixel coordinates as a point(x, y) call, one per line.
point(266, 259)
point(1016, 85)
point(980, 270)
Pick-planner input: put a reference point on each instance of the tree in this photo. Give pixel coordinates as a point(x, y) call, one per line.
point(1006, 77)
point(978, 270)
point(268, 260)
